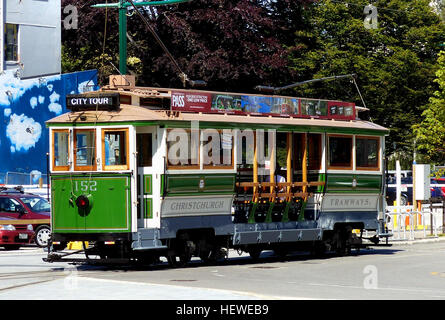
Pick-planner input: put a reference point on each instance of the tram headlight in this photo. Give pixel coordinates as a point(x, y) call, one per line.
point(84, 202)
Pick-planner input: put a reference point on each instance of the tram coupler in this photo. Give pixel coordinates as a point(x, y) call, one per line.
point(375, 240)
point(53, 257)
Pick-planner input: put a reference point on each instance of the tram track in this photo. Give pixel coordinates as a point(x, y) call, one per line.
point(25, 285)
point(10, 281)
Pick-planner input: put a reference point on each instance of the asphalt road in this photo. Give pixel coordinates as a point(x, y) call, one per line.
point(401, 272)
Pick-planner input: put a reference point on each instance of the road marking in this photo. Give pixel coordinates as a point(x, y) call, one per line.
point(414, 290)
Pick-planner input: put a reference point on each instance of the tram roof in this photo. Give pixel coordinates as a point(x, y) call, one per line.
point(128, 104)
point(140, 115)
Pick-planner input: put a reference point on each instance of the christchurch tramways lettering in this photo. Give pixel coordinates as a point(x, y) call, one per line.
point(196, 205)
point(363, 202)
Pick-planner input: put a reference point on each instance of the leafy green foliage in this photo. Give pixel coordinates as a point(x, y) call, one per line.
point(430, 132)
point(235, 45)
point(394, 63)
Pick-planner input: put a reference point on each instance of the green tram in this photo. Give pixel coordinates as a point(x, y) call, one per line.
point(142, 173)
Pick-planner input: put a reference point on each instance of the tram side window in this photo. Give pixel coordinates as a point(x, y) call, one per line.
point(340, 152)
point(85, 149)
point(182, 149)
point(217, 149)
point(61, 150)
point(367, 152)
point(115, 149)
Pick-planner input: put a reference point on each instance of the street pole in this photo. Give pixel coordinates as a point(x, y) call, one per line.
point(122, 6)
point(122, 38)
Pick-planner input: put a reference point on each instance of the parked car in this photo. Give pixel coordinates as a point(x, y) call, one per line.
point(438, 189)
point(13, 236)
point(406, 192)
point(32, 209)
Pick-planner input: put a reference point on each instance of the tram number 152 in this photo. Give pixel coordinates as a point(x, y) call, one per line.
point(85, 185)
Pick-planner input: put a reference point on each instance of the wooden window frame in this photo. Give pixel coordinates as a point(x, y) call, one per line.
point(87, 167)
point(328, 154)
point(378, 153)
point(183, 167)
point(54, 166)
point(126, 166)
point(218, 167)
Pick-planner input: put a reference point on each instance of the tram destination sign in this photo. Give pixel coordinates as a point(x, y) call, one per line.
point(91, 102)
point(207, 102)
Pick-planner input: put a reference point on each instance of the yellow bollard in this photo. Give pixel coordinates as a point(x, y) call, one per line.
point(394, 217)
point(76, 245)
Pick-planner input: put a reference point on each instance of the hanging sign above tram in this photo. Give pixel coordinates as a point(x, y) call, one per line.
point(96, 101)
point(260, 105)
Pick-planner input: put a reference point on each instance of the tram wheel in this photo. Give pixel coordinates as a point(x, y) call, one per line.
point(182, 254)
point(281, 252)
point(179, 261)
point(342, 241)
point(255, 252)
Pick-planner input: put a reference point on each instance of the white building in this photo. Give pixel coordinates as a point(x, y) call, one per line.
point(31, 37)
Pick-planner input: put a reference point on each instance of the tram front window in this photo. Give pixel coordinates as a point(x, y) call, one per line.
point(60, 149)
point(85, 149)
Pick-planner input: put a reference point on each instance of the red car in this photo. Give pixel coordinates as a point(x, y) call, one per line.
point(29, 208)
point(13, 236)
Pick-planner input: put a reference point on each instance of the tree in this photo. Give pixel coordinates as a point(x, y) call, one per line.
point(430, 133)
point(395, 63)
point(231, 44)
point(235, 45)
point(439, 6)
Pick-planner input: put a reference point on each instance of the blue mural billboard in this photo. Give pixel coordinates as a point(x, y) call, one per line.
point(25, 105)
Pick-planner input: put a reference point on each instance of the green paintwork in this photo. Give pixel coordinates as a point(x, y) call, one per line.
point(122, 38)
point(199, 184)
point(148, 213)
point(269, 213)
point(251, 218)
point(111, 211)
point(286, 213)
point(343, 183)
point(148, 184)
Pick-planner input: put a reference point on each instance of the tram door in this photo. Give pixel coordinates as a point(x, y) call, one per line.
point(148, 186)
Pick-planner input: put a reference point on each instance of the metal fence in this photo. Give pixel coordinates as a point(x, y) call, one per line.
point(20, 178)
point(407, 223)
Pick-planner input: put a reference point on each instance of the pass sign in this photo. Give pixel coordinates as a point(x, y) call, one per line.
point(97, 101)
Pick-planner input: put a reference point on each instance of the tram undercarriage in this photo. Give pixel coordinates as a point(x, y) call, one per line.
point(211, 248)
